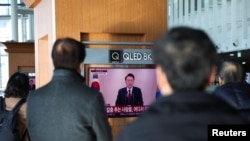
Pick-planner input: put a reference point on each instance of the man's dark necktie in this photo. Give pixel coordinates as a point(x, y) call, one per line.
point(129, 96)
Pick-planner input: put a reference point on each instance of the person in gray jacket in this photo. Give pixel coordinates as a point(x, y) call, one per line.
point(66, 109)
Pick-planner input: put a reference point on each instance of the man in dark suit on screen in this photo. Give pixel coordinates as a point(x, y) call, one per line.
point(129, 95)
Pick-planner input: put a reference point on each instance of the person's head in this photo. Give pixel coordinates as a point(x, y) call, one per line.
point(129, 80)
point(185, 59)
point(231, 71)
point(68, 53)
point(17, 86)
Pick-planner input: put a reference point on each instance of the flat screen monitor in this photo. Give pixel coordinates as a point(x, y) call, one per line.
point(108, 81)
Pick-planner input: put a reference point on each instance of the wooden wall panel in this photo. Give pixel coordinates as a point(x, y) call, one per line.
point(147, 17)
point(129, 16)
point(31, 3)
point(21, 55)
point(117, 124)
point(19, 60)
point(68, 18)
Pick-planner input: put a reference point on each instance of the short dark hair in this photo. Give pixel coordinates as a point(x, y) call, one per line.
point(231, 71)
point(67, 53)
point(17, 86)
point(187, 56)
point(131, 75)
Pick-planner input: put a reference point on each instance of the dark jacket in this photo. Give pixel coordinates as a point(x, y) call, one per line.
point(180, 117)
point(237, 95)
point(136, 98)
point(67, 110)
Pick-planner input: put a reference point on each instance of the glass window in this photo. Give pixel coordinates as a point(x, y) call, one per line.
point(24, 27)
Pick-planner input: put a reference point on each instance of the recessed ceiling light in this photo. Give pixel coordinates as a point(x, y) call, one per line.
point(243, 63)
point(231, 54)
point(238, 54)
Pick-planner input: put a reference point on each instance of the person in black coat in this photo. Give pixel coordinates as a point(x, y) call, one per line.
point(233, 88)
point(186, 60)
point(129, 95)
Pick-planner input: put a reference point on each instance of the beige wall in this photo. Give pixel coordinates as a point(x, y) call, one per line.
point(44, 20)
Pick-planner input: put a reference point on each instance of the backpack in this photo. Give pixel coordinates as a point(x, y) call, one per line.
point(9, 122)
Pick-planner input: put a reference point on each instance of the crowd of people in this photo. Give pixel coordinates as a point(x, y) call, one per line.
point(65, 109)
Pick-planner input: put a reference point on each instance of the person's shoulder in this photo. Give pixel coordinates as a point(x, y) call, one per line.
point(246, 85)
point(230, 88)
point(1, 99)
point(136, 88)
point(222, 88)
point(131, 130)
point(23, 111)
point(37, 91)
point(155, 113)
point(123, 89)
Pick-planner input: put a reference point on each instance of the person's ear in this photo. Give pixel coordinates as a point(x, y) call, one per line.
point(162, 82)
point(212, 76)
point(221, 81)
point(80, 68)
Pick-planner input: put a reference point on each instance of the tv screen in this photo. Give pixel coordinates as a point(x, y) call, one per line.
point(119, 100)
